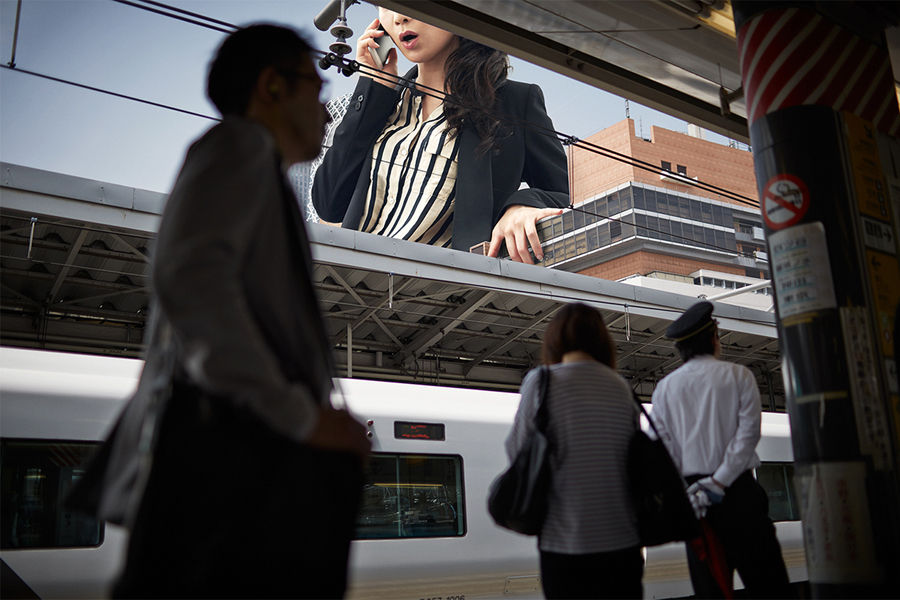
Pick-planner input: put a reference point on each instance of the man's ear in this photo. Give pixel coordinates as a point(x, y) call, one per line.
point(269, 85)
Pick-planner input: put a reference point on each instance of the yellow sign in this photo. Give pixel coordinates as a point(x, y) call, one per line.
point(868, 179)
point(884, 279)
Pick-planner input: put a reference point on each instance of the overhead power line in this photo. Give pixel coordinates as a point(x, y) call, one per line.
point(347, 66)
point(181, 15)
point(621, 158)
point(109, 92)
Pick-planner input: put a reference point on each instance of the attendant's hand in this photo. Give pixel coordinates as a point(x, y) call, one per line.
point(517, 227)
point(364, 57)
point(337, 430)
point(703, 494)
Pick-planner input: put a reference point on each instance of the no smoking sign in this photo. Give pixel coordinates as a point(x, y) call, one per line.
point(785, 201)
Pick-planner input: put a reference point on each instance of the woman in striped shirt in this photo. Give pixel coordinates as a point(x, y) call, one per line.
point(589, 543)
point(407, 164)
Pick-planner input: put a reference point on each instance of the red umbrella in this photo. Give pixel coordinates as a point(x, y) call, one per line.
point(710, 550)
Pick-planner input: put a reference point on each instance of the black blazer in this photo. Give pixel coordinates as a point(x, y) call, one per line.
point(486, 184)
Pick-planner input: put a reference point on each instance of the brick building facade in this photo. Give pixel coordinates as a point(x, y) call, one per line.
point(650, 221)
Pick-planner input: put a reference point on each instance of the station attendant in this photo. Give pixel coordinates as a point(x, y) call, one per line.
point(708, 414)
point(409, 165)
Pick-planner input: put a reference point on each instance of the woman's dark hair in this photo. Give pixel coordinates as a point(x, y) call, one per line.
point(578, 326)
point(473, 74)
point(242, 57)
point(698, 345)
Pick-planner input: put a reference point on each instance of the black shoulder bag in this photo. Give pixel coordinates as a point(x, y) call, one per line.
point(518, 497)
point(663, 510)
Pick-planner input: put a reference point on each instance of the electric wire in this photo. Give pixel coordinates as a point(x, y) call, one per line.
point(211, 24)
point(345, 64)
point(562, 137)
point(109, 92)
point(196, 114)
point(590, 147)
point(441, 95)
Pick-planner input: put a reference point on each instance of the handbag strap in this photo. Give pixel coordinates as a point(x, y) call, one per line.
point(646, 414)
point(541, 418)
point(656, 431)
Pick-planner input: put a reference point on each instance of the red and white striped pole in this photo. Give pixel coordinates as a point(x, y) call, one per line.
point(824, 122)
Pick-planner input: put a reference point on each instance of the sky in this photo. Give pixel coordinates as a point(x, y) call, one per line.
point(113, 46)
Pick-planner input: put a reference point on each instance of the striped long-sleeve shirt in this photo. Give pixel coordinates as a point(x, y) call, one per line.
point(592, 418)
point(413, 179)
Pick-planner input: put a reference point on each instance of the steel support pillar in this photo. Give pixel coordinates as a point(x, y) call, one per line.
point(824, 121)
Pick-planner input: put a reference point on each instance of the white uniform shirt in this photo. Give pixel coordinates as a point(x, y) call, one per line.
point(708, 414)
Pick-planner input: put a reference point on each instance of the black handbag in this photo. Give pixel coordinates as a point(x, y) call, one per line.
point(663, 509)
point(518, 497)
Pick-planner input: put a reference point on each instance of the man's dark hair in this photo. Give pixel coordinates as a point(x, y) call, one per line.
point(578, 326)
point(698, 345)
point(243, 56)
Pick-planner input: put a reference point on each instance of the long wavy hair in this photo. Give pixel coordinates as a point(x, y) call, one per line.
point(473, 74)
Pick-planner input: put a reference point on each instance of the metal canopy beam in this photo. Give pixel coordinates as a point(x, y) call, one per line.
point(499, 347)
point(486, 342)
point(70, 260)
point(370, 312)
point(451, 320)
point(362, 303)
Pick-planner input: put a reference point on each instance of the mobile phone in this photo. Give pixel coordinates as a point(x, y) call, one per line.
point(385, 44)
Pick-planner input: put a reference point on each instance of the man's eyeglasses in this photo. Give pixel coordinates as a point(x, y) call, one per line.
point(293, 75)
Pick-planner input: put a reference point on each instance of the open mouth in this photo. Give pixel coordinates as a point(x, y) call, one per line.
point(408, 37)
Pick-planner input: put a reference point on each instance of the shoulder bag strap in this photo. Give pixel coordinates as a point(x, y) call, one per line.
point(656, 431)
point(540, 419)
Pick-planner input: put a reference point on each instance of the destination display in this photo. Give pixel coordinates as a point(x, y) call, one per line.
point(404, 430)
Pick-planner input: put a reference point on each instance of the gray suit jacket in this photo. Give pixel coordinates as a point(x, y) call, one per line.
point(234, 311)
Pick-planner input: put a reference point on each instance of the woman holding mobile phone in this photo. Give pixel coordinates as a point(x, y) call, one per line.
point(407, 164)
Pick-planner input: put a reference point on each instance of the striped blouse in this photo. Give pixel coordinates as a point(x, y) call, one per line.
point(592, 418)
point(413, 178)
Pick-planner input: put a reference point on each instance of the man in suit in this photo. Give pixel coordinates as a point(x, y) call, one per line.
point(233, 472)
point(708, 414)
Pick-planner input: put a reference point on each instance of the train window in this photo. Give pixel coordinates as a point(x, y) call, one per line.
point(35, 478)
point(778, 481)
point(412, 496)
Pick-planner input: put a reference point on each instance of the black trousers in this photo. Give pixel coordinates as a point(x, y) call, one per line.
point(745, 530)
point(233, 510)
point(614, 574)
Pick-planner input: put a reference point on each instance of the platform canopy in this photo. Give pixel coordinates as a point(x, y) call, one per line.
point(676, 56)
point(75, 277)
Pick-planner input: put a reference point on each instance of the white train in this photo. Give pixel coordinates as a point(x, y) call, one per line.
point(424, 531)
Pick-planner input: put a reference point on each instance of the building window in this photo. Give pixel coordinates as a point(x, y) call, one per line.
point(650, 200)
point(568, 221)
point(665, 228)
point(615, 230)
point(638, 198)
point(613, 204)
point(578, 220)
point(666, 165)
point(682, 170)
point(625, 200)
